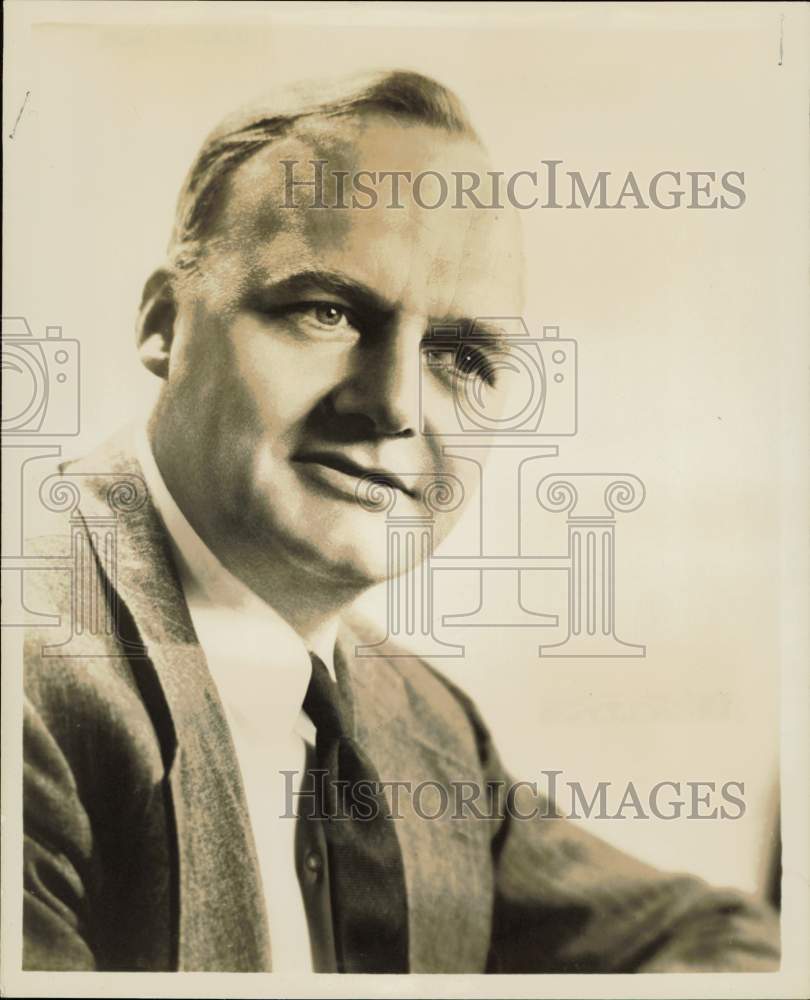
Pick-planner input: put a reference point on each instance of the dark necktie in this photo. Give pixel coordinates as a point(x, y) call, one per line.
point(369, 905)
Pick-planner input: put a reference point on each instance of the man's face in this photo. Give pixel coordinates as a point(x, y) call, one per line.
point(298, 362)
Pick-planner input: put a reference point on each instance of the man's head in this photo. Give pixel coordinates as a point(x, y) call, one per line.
point(292, 337)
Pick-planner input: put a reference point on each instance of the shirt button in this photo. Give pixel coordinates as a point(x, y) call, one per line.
point(314, 865)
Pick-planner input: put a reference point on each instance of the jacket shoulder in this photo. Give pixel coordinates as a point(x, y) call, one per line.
point(81, 677)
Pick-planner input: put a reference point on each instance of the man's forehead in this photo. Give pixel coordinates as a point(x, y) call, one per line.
point(462, 257)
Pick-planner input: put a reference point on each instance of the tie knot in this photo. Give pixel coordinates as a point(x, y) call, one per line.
point(323, 703)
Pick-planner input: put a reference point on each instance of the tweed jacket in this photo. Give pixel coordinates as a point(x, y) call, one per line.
point(138, 849)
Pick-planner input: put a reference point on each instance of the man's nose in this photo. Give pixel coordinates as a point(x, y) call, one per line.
point(383, 385)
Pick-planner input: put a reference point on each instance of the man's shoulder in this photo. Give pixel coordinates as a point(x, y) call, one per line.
point(117, 453)
point(78, 668)
point(81, 653)
point(81, 499)
point(106, 476)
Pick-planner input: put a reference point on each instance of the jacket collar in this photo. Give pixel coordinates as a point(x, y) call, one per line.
point(215, 845)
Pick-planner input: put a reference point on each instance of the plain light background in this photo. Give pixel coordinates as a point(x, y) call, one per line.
point(682, 318)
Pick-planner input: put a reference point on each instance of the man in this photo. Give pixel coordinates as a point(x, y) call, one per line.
point(294, 329)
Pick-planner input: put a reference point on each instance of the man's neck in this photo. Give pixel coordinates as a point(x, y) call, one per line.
point(311, 606)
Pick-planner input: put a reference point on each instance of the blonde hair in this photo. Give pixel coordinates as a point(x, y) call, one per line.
point(399, 93)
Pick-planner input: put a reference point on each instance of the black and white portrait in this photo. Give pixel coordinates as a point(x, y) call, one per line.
point(400, 407)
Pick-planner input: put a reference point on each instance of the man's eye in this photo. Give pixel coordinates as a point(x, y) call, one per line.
point(471, 361)
point(327, 320)
point(328, 314)
point(464, 361)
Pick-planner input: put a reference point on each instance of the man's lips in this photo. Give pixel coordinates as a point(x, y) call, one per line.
point(342, 463)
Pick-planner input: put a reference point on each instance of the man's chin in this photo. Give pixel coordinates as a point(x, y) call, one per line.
point(359, 562)
point(349, 552)
point(327, 538)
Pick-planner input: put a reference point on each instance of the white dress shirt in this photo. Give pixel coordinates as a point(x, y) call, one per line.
point(261, 668)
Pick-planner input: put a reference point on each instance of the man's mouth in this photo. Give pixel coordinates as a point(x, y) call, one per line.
point(344, 474)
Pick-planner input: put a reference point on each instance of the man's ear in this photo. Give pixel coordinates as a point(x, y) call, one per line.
point(155, 326)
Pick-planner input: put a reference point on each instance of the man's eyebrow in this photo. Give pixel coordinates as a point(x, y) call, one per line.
point(332, 283)
point(367, 300)
point(454, 328)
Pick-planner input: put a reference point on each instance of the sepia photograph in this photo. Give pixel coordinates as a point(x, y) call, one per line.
point(405, 490)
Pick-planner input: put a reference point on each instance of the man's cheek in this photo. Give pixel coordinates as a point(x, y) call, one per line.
point(443, 525)
point(286, 381)
point(277, 417)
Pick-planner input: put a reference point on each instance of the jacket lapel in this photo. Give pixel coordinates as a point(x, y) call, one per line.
point(447, 862)
point(222, 924)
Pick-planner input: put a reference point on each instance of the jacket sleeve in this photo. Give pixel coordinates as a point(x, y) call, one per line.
point(57, 857)
point(567, 902)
